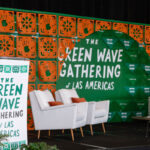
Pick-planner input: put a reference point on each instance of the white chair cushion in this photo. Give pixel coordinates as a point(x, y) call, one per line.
point(49, 95)
point(67, 94)
point(99, 113)
point(43, 99)
point(74, 93)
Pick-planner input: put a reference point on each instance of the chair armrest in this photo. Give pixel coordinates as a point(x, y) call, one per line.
point(56, 117)
point(90, 113)
point(91, 107)
point(82, 107)
point(91, 103)
point(58, 107)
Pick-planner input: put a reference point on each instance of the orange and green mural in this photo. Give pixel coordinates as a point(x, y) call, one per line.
point(43, 37)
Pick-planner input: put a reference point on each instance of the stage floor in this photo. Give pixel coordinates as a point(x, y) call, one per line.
point(118, 136)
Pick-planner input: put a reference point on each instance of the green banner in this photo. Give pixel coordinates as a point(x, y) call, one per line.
point(109, 65)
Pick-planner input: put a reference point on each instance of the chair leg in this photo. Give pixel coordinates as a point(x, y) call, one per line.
point(91, 129)
point(38, 134)
point(49, 133)
point(63, 131)
point(103, 126)
point(81, 130)
point(72, 135)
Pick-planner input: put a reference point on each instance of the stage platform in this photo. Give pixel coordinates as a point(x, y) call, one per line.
point(118, 136)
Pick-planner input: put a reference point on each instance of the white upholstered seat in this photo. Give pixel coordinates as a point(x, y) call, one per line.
point(97, 112)
point(48, 117)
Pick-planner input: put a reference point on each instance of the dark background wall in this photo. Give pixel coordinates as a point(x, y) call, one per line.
point(124, 10)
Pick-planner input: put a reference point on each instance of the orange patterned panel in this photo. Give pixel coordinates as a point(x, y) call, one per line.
point(67, 26)
point(85, 27)
point(51, 87)
point(63, 44)
point(26, 47)
point(102, 25)
point(47, 47)
point(31, 87)
point(122, 27)
point(26, 23)
point(136, 32)
point(148, 49)
point(47, 71)
point(30, 122)
point(147, 34)
point(7, 23)
point(32, 71)
point(7, 45)
point(47, 24)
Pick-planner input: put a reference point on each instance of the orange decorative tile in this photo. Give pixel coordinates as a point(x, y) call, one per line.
point(103, 25)
point(85, 27)
point(148, 49)
point(136, 32)
point(31, 87)
point(65, 43)
point(51, 87)
point(122, 27)
point(47, 24)
point(47, 47)
point(26, 47)
point(26, 23)
point(32, 71)
point(147, 34)
point(7, 45)
point(67, 26)
point(47, 71)
point(7, 23)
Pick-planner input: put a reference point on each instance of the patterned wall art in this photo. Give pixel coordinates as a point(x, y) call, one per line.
point(47, 38)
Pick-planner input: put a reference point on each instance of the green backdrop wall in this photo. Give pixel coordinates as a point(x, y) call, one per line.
point(117, 57)
point(109, 65)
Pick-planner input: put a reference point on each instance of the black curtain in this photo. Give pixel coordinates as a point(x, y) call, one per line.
point(124, 10)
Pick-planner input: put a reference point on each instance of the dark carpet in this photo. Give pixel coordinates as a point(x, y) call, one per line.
point(118, 136)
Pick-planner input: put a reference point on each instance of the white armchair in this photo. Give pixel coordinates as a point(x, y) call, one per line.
point(50, 118)
point(97, 111)
point(65, 95)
